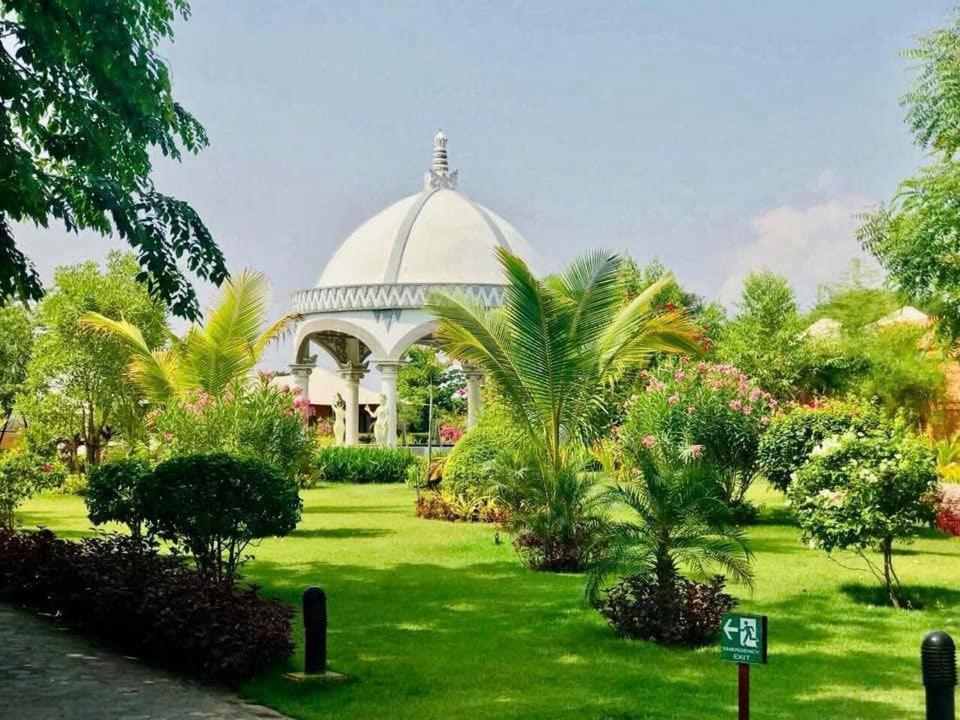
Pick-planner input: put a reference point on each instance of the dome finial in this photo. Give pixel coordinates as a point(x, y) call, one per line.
point(439, 175)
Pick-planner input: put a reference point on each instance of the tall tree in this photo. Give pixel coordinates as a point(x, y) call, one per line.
point(85, 98)
point(763, 339)
point(916, 237)
point(77, 386)
point(16, 347)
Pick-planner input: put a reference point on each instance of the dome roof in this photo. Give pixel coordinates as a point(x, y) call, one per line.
point(437, 236)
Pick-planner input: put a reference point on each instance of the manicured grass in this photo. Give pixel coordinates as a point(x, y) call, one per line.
point(434, 620)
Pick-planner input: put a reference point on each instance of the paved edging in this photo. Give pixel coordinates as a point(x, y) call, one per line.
point(48, 672)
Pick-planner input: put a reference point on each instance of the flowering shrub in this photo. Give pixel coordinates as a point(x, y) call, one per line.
point(861, 492)
point(948, 513)
point(21, 475)
point(123, 591)
point(787, 443)
point(251, 418)
point(715, 411)
point(688, 614)
point(451, 434)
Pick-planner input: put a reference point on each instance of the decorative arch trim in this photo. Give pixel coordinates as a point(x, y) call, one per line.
point(314, 326)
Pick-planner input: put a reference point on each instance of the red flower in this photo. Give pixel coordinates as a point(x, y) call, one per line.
point(48, 468)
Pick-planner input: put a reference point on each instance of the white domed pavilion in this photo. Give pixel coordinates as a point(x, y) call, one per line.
point(366, 309)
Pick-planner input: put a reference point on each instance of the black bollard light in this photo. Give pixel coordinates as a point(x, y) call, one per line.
point(315, 627)
point(938, 660)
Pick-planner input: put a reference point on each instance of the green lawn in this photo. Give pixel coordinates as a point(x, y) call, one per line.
point(434, 619)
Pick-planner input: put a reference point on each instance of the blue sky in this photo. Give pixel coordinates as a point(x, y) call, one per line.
point(719, 136)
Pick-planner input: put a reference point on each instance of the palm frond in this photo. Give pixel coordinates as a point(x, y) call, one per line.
point(636, 332)
point(275, 332)
point(156, 372)
point(472, 334)
point(239, 310)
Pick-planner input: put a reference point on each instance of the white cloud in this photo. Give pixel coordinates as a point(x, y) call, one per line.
point(809, 245)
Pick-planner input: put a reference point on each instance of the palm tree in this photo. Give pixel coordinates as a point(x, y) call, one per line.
point(227, 346)
point(676, 520)
point(555, 343)
point(556, 512)
point(550, 349)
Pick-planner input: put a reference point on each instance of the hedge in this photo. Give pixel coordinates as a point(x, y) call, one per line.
point(360, 464)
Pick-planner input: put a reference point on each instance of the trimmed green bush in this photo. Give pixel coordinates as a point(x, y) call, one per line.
point(113, 493)
point(359, 464)
point(215, 505)
point(786, 445)
point(469, 469)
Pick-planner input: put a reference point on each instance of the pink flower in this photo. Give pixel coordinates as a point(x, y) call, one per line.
point(735, 405)
point(167, 437)
point(649, 441)
point(695, 451)
point(298, 390)
point(747, 409)
point(285, 389)
point(679, 375)
point(764, 420)
point(673, 399)
point(754, 395)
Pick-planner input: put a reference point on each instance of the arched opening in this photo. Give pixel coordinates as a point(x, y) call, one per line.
point(338, 399)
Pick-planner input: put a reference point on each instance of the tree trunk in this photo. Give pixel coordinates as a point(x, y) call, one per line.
point(91, 437)
point(666, 573)
point(890, 577)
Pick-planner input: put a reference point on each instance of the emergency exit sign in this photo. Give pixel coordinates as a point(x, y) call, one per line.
point(744, 638)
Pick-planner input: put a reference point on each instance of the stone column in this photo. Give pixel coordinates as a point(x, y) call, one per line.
point(388, 386)
point(351, 375)
point(301, 379)
point(474, 399)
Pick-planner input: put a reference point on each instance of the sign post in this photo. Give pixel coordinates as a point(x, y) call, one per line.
point(744, 641)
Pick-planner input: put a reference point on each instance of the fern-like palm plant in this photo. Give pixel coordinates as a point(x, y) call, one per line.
point(675, 520)
point(555, 511)
point(555, 343)
point(227, 346)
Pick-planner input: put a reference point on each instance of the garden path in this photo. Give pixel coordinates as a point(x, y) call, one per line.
point(48, 672)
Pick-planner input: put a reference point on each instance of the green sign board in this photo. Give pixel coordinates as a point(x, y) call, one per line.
point(744, 638)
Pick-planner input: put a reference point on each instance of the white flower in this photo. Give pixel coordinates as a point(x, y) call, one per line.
point(827, 446)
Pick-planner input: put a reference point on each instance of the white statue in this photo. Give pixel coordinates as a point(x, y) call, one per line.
point(339, 420)
point(380, 420)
